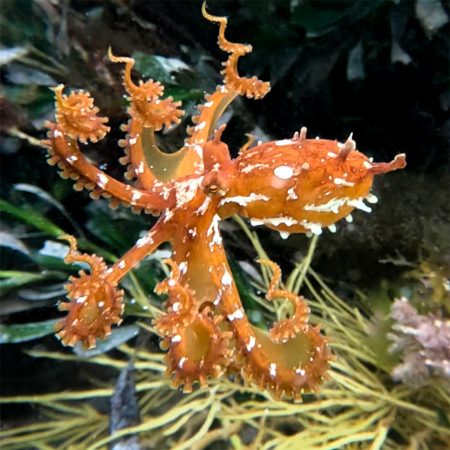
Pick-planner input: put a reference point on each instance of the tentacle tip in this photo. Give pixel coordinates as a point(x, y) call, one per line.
point(111, 56)
point(399, 162)
point(57, 89)
point(218, 133)
point(346, 148)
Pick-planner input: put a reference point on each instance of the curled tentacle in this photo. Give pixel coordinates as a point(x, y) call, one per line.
point(77, 116)
point(293, 358)
point(250, 87)
point(150, 90)
point(198, 351)
point(180, 304)
point(298, 322)
point(289, 368)
point(146, 104)
point(95, 304)
point(156, 114)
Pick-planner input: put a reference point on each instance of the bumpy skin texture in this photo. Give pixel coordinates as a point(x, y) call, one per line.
point(296, 185)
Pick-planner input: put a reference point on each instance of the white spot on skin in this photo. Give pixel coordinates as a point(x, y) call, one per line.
point(315, 228)
point(135, 195)
point(245, 200)
point(171, 282)
point(214, 230)
point(57, 133)
point(208, 104)
point(181, 362)
point(283, 172)
point(218, 298)
point(226, 279)
point(292, 195)
point(145, 240)
point(140, 168)
point(305, 166)
point(176, 338)
point(237, 315)
point(340, 181)
point(183, 267)
point(132, 140)
point(192, 232)
point(186, 190)
point(199, 150)
point(166, 192)
point(102, 180)
point(367, 165)
point(122, 265)
point(203, 207)
point(176, 306)
point(101, 304)
point(81, 299)
point(333, 205)
point(284, 142)
point(300, 372)
point(273, 370)
point(275, 221)
point(71, 159)
point(200, 126)
point(332, 155)
point(253, 167)
point(251, 343)
point(168, 215)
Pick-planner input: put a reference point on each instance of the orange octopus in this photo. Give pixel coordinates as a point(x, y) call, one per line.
point(295, 185)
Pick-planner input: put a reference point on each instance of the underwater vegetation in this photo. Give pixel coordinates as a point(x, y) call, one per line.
point(359, 407)
point(365, 379)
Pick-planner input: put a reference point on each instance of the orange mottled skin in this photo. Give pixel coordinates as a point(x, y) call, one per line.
point(295, 185)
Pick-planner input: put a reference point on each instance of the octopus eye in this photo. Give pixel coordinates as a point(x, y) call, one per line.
point(212, 188)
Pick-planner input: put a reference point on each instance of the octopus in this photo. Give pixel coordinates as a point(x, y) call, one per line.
point(295, 185)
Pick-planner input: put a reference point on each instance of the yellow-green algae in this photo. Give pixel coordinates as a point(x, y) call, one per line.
point(358, 408)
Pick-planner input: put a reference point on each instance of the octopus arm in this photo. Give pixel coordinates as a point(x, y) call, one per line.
point(293, 358)
point(198, 347)
point(298, 320)
point(77, 120)
point(147, 163)
point(251, 87)
point(149, 113)
point(95, 301)
point(64, 152)
point(215, 104)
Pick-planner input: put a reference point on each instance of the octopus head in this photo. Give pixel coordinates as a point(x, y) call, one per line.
point(301, 185)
